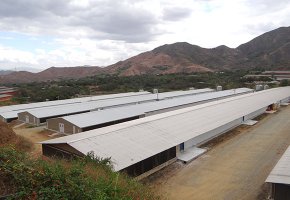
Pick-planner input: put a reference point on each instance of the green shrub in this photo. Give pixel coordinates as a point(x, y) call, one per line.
point(82, 178)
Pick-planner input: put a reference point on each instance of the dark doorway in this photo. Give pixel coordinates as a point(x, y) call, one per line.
point(181, 146)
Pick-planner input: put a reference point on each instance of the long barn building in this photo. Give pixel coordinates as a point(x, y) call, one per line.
point(39, 116)
point(9, 113)
point(145, 145)
point(87, 121)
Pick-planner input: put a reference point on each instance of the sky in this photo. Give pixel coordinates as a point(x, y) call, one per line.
point(38, 34)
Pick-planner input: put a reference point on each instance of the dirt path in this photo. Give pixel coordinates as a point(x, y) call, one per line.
point(235, 168)
point(35, 135)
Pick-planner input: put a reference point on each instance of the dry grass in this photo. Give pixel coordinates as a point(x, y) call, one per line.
point(9, 137)
point(23, 144)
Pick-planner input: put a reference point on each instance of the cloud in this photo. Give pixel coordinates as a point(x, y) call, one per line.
point(127, 23)
point(266, 6)
point(15, 56)
point(175, 13)
point(99, 19)
point(102, 32)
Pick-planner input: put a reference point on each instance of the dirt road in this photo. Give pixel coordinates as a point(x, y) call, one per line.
point(235, 168)
point(35, 135)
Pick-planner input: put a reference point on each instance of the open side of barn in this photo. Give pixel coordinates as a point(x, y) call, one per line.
point(61, 151)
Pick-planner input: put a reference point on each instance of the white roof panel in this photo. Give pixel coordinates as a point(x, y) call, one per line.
point(12, 111)
point(105, 103)
point(181, 93)
point(71, 103)
point(281, 172)
point(130, 142)
point(67, 101)
point(98, 117)
point(87, 106)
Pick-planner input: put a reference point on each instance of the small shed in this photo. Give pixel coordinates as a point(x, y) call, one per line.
point(92, 120)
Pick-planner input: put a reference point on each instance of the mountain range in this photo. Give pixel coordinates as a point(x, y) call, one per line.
point(270, 50)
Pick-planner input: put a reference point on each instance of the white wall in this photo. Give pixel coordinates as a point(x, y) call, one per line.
point(190, 104)
point(255, 114)
point(286, 100)
point(201, 139)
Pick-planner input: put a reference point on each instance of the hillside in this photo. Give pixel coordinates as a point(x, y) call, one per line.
point(5, 72)
point(24, 176)
point(162, 60)
point(52, 73)
point(269, 51)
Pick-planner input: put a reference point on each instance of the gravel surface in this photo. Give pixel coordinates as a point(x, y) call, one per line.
point(234, 168)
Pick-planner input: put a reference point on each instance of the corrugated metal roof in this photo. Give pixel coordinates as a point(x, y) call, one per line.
point(87, 106)
point(106, 103)
point(105, 116)
point(130, 142)
point(181, 93)
point(281, 172)
point(101, 117)
point(11, 114)
point(6, 91)
point(5, 95)
point(68, 101)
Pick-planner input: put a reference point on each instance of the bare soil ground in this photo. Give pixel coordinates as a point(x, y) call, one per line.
point(235, 167)
point(35, 135)
point(6, 134)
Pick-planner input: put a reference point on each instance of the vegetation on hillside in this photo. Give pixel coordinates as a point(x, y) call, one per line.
point(83, 178)
point(25, 177)
point(105, 84)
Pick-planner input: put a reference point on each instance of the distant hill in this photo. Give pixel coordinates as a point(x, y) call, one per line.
point(5, 72)
point(177, 57)
point(53, 73)
point(270, 51)
point(165, 59)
